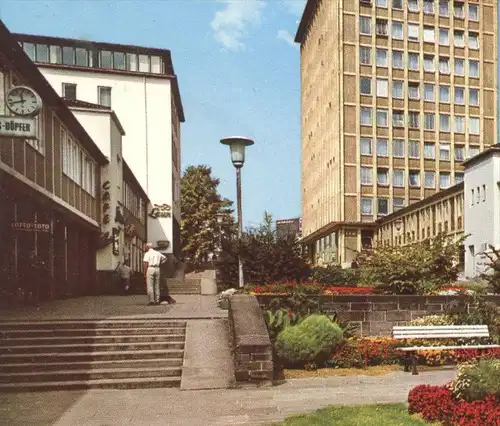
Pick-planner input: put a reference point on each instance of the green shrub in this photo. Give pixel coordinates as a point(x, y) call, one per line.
point(492, 274)
point(334, 275)
point(310, 341)
point(477, 380)
point(433, 320)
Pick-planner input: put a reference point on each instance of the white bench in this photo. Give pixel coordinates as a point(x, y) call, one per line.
point(438, 332)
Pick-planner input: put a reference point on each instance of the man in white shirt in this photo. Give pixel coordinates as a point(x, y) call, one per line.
point(124, 272)
point(152, 261)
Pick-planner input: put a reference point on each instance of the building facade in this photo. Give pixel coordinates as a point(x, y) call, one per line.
point(141, 87)
point(287, 227)
point(395, 95)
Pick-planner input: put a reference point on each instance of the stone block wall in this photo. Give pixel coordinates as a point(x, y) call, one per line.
point(251, 346)
point(376, 315)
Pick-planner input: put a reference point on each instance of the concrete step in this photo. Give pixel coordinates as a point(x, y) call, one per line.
point(89, 340)
point(94, 347)
point(132, 383)
point(72, 324)
point(174, 292)
point(88, 374)
point(52, 357)
point(89, 365)
point(92, 332)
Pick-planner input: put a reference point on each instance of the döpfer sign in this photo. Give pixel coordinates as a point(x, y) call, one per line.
point(17, 127)
point(31, 226)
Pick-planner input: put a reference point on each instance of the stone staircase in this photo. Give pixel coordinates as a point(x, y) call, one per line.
point(87, 354)
point(184, 286)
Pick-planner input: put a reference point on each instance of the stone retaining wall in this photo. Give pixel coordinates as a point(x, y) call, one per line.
point(376, 315)
point(251, 346)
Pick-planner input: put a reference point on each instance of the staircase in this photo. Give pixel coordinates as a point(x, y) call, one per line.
point(186, 286)
point(88, 354)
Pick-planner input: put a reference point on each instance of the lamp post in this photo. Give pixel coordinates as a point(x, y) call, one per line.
point(237, 145)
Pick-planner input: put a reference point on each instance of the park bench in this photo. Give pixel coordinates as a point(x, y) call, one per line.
point(438, 332)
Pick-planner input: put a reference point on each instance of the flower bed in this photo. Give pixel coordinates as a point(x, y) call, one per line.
point(309, 287)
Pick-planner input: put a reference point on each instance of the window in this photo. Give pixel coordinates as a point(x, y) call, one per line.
point(474, 69)
point(412, 32)
point(413, 91)
point(444, 180)
point(81, 57)
point(473, 40)
point(365, 55)
point(444, 94)
point(381, 3)
point(474, 97)
point(429, 63)
point(106, 59)
point(473, 12)
point(119, 61)
point(398, 178)
point(429, 92)
point(69, 91)
point(459, 124)
point(458, 10)
point(428, 6)
point(382, 176)
point(414, 178)
point(143, 63)
point(366, 175)
point(366, 116)
point(381, 58)
point(366, 206)
point(156, 65)
point(444, 65)
point(473, 151)
point(414, 149)
point(398, 119)
point(55, 55)
point(29, 49)
point(382, 206)
point(459, 177)
point(397, 30)
point(444, 152)
point(414, 119)
point(68, 55)
point(365, 86)
point(430, 180)
point(397, 204)
point(42, 53)
point(398, 148)
point(104, 95)
point(484, 193)
point(429, 34)
point(365, 25)
point(459, 153)
point(397, 4)
point(444, 37)
point(397, 59)
point(413, 60)
point(459, 38)
point(429, 151)
point(131, 62)
point(459, 95)
point(382, 118)
point(381, 27)
point(366, 146)
point(444, 8)
point(429, 121)
point(444, 123)
point(382, 148)
point(474, 125)
point(413, 5)
point(472, 203)
point(397, 89)
point(382, 87)
point(459, 66)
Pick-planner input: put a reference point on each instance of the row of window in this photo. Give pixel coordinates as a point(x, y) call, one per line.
point(133, 203)
point(413, 61)
point(95, 58)
point(413, 149)
point(430, 6)
point(77, 165)
point(479, 195)
point(414, 89)
point(462, 123)
point(103, 93)
point(399, 175)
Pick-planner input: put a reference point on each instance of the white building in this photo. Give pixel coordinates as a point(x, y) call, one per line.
point(140, 85)
point(481, 208)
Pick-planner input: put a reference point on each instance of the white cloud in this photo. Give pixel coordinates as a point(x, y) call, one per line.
point(295, 7)
point(287, 38)
point(230, 24)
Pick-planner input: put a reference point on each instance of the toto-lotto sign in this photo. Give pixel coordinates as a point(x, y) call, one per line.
point(17, 127)
point(31, 226)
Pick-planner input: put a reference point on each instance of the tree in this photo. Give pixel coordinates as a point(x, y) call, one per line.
point(201, 204)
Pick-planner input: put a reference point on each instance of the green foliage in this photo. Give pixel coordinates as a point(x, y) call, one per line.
point(266, 258)
point(334, 275)
point(477, 380)
point(310, 341)
point(492, 274)
point(419, 268)
point(278, 320)
point(200, 204)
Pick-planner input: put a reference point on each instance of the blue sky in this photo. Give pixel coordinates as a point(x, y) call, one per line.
point(239, 74)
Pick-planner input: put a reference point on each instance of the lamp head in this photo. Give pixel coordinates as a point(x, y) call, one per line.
point(237, 145)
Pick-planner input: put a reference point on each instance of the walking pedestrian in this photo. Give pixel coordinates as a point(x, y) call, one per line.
point(152, 261)
point(124, 271)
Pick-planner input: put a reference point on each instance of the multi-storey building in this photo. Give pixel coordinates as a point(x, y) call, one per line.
point(141, 87)
point(395, 94)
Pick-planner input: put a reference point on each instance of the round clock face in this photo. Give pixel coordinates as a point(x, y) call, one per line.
point(22, 100)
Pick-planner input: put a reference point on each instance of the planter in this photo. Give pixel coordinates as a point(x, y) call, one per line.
point(224, 304)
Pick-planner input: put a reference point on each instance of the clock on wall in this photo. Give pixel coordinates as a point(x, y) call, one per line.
point(22, 100)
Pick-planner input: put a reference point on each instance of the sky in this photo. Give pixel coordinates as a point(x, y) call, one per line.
point(238, 70)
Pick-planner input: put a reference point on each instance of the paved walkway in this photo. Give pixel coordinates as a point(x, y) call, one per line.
point(175, 407)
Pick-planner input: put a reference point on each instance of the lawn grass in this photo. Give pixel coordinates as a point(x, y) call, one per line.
point(363, 415)
point(379, 370)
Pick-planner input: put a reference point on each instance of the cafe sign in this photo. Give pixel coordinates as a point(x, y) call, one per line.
point(31, 226)
point(17, 127)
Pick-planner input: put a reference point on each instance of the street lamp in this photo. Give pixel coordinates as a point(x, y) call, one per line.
point(237, 144)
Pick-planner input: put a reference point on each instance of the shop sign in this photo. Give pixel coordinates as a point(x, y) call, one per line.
point(31, 226)
point(163, 210)
point(17, 127)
